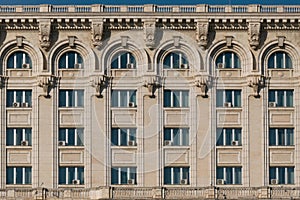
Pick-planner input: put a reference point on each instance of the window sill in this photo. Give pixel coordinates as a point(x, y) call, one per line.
point(292, 147)
point(18, 108)
point(281, 108)
point(177, 147)
point(29, 186)
point(230, 147)
point(71, 186)
point(124, 108)
point(176, 108)
point(70, 108)
point(19, 147)
point(71, 147)
point(124, 185)
point(231, 108)
point(177, 185)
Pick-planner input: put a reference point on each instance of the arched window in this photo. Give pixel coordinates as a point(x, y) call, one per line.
point(175, 60)
point(19, 60)
point(228, 59)
point(70, 60)
point(123, 60)
point(280, 60)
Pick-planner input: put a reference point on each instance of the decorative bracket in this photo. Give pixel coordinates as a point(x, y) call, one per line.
point(2, 81)
point(124, 41)
point(202, 82)
point(45, 32)
point(229, 41)
point(254, 33)
point(19, 40)
point(256, 82)
point(152, 83)
point(46, 82)
point(202, 33)
point(97, 32)
point(149, 32)
point(99, 83)
point(71, 41)
point(281, 40)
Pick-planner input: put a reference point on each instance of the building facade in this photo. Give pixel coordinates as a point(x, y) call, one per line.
point(142, 102)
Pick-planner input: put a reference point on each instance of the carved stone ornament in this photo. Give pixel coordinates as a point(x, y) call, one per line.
point(97, 32)
point(44, 33)
point(2, 81)
point(149, 32)
point(47, 82)
point(202, 82)
point(99, 83)
point(152, 83)
point(256, 82)
point(254, 34)
point(202, 33)
point(19, 40)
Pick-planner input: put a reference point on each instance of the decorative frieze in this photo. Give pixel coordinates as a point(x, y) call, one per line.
point(44, 33)
point(149, 32)
point(254, 33)
point(97, 32)
point(202, 33)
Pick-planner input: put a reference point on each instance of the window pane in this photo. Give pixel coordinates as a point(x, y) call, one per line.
point(19, 96)
point(167, 98)
point(220, 173)
point(133, 173)
point(9, 137)
point(71, 96)
point(71, 174)
point(272, 137)
point(228, 60)
point(132, 132)
point(289, 98)
point(167, 134)
point(114, 63)
point(185, 98)
point(290, 136)
point(228, 136)
point(176, 175)
point(71, 137)
point(272, 172)
point(18, 136)
point(28, 97)
point(62, 98)
point(124, 60)
point(271, 61)
point(281, 178)
point(19, 175)
point(114, 136)
point(114, 176)
point(238, 175)
point(280, 98)
point(167, 63)
point(167, 175)
point(19, 59)
point(62, 134)
point(114, 99)
point(272, 96)
point(290, 175)
point(176, 137)
point(80, 174)
point(238, 135)
point(237, 98)
point(219, 98)
point(28, 135)
point(123, 137)
point(279, 60)
point(185, 173)
point(176, 99)
point(71, 59)
point(124, 177)
point(132, 97)
point(62, 175)
point(219, 137)
point(229, 175)
point(27, 175)
point(123, 98)
point(237, 63)
point(9, 175)
point(185, 136)
point(280, 136)
point(80, 137)
point(9, 98)
point(176, 61)
point(228, 96)
point(80, 98)
point(288, 62)
point(62, 62)
point(10, 62)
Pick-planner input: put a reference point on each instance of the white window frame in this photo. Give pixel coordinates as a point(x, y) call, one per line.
point(23, 175)
point(233, 175)
point(284, 54)
point(15, 136)
point(23, 59)
point(67, 60)
point(75, 135)
point(180, 97)
point(75, 98)
point(128, 133)
point(285, 173)
point(67, 174)
point(118, 56)
point(180, 174)
point(285, 136)
point(232, 60)
point(128, 174)
point(181, 55)
point(284, 97)
point(180, 136)
point(225, 134)
point(127, 97)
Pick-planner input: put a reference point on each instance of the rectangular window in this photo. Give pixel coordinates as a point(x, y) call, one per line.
point(281, 98)
point(281, 136)
point(18, 98)
point(176, 175)
point(123, 175)
point(176, 98)
point(229, 98)
point(71, 98)
point(281, 175)
point(18, 136)
point(18, 175)
point(123, 136)
point(71, 175)
point(176, 137)
point(71, 136)
point(229, 137)
point(123, 98)
point(229, 175)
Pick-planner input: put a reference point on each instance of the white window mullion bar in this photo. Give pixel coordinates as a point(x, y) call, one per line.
point(232, 98)
point(76, 173)
point(180, 59)
point(128, 135)
point(172, 103)
point(181, 173)
point(285, 137)
point(276, 97)
point(119, 175)
point(232, 60)
point(67, 98)
point(75, 57)
point(283, 60)
point(275, 61)
point(75, 98)
point(233, 175)
point(119, 136)
point(119, 98)
point(233, 134)
point(180, 137)
point(172, 136)
point(128, 98)
point(172, 175)
point(67, 175)
point(277, 173)
point(224, 97)
point(15, 175)
point(224, 172)
point(223, 59)
point(128, 58)
point(15, 137)
point(284, 98)
point(67, 135)
point(23, 58)
point(23, 134)
point(224, 136)
point(276, 137)
point(23, 175)
point(67, 61)
point(23, 96)
point(180, 99)
point(128, 173)
point(171, 61)
point(119, 61)
point(15, 60)
point(285, 175)
point(75, 135)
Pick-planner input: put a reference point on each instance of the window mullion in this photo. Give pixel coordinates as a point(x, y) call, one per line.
point(67, 61)
point(15, 175)
point(67, 175)
point(15, 137)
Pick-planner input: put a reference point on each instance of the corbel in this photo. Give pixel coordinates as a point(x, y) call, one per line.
point(281, 40)
point(99, 82)
point(229, 41)
point(44, 33)
point(202, 82)
point(254, 33)
point(256, 82)
point(97, 32)
point(2, 80)
point(19, 40)
point(47, 82)
point(71, 41)
point(149, 32)
point(152, 83)
point(202, 33)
